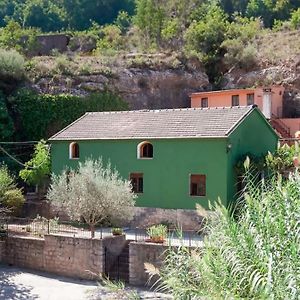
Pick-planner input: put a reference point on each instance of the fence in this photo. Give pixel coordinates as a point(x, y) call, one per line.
point(189, 238)
point(40, 226)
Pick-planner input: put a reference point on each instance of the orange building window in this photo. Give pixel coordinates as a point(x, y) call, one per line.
point(74, 151)
point(137, 182)
point(204, 102)
point(235, 100)
point(197, 185)
point(250, 99)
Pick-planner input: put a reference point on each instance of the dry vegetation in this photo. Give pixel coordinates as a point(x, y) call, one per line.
point(278, 48)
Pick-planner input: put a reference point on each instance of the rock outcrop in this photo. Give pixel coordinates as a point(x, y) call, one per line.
point(141, 88)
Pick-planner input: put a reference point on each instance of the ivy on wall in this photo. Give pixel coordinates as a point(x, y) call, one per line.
point(40, 116)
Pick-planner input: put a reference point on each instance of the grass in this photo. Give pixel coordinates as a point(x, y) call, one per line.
point(251, 252)
point(275, 48)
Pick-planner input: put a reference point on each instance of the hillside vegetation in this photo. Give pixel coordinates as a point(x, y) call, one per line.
point(127, 49)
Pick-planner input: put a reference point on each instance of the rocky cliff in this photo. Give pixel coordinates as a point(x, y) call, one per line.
point(165, 80)
point(142, 85)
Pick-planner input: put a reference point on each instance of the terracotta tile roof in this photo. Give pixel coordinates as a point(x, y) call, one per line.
point(147, 124)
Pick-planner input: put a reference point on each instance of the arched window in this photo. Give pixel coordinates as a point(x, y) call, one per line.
point(145, 150)
point(74, 151)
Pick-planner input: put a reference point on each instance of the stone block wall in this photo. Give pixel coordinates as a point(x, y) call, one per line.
point(25, 252)
point(141, 253)
point(74, 257)
point(188, 219)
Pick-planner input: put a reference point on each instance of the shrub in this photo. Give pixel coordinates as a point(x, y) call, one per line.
point(14, 36)
point(53, 112)
point(94, 192)
point(63, 65)
point(6, 122)
point(111, 38)
point(12, 64)
point(282, 161)
point(13, 200)
point(295, 19)
point(238, 54)
point(252, 255)
point(38, 167)
point(240, 48)
point(11, 197)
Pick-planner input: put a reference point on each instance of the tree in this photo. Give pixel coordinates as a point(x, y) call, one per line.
point(93, 192)
point(11, 197)
point(6, 122)
point(37, 169)
point(149, 18)
point(205, 35)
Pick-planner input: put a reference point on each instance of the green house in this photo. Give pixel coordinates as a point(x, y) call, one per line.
point(174, 158)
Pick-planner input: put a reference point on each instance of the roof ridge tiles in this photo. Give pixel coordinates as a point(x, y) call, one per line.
point(168, 109)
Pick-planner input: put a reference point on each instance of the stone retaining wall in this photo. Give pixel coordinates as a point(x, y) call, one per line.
point(141, 253)
point(74, 257)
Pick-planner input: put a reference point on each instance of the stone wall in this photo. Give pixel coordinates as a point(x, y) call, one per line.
point(141, 253)
point(188, 219)
point(45, 44)
point(74, 257)
point(2, 250)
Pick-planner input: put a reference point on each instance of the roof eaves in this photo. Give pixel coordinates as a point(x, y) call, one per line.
point(140, 138)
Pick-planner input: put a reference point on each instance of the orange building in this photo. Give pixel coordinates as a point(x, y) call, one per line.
point(269, 100)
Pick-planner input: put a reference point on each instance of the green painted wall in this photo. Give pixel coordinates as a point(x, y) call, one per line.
point(166, 176)
point(254, 135)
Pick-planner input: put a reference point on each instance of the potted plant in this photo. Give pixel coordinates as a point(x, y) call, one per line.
point(157, 233)
point(117, 231)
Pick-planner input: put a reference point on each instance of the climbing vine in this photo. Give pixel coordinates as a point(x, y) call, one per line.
point(39, 116)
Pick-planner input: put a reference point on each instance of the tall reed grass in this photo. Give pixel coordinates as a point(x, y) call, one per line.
point(249, 253)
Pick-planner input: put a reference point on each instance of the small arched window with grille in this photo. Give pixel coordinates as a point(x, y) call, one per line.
point(74, 150)
point(145, 150)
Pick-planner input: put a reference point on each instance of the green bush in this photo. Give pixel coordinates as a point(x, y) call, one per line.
point(111, 38)
point(13, 200)
point(40, 116)
point(14, 36)
point(239, 45)
point(295, 19)
point(6, 123)
point(11, 197)
point(38, 167)
point(12, 64)
point(254, 254)
point(238, 54)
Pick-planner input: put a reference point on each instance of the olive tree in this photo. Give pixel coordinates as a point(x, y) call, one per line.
point(93, 192)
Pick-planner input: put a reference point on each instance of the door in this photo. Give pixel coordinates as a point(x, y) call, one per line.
point(267, 103)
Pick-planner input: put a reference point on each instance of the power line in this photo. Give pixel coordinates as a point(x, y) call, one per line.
point(16, 143)
point(19, 162)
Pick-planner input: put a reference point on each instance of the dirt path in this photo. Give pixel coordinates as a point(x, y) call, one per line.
point(23, 284)
point(20, 284)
